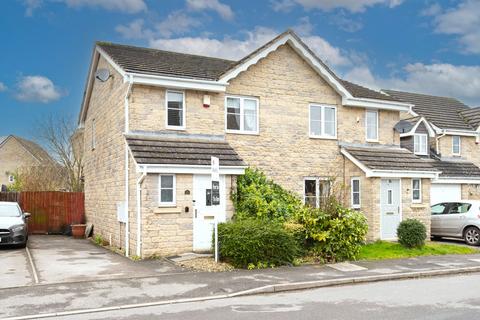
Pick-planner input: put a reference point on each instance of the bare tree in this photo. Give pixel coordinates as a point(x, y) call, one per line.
point(59, 134)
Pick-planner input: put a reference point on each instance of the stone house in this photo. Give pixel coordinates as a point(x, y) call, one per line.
point(16, 153)
point(445, 132)
point(151, 120)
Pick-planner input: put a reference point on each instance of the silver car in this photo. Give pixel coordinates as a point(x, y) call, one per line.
point(457, 220)
point(13, 224)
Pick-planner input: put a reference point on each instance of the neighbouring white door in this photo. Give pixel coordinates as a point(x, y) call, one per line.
point(204, 213)
point(390, 202)
point(445, 193)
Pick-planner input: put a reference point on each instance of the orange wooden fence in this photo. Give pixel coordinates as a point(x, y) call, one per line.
point(51, 211)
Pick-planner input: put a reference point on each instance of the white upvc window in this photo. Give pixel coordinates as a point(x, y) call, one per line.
point(94, 133)
point(420, 144)
point(322, 121)
point(11, 178)
point(456, 145)
point(166, 190)
point(416, 190)
point(371, 125)
point(316, 190)
point(355, 193)
point(175, 110)
point(241, 114)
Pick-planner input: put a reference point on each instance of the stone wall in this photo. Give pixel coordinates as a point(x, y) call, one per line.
point(104, 166)
point(471, 191)
point(419, 211)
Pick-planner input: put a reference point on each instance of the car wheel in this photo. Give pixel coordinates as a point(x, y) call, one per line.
point(436, 238)
point(472, 236)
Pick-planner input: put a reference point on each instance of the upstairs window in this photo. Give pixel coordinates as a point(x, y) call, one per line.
point(316, 191)
point(371, 125)
point(94, 138)
point(420, 144)
point(11, 179)
point(456, 145)
point(175, 110)
point(242, 115)
point(323, 121)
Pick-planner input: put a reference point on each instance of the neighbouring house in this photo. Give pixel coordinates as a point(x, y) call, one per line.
point(445, 132)
point(152, 119)
point(16, 153)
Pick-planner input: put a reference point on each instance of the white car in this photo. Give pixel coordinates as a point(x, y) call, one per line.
point(13, 224)
point(460, 219)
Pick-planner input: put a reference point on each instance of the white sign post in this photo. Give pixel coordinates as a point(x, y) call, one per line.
point(216, 197)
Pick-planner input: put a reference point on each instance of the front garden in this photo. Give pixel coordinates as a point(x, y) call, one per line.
point(272, 227)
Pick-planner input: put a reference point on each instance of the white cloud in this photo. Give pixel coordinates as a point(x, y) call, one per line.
point(126, 6)
point(462, 82)
point(31, 6)
point(134, 30)
point(222, 9)
point(37, 89)
point(463, 21)
point(176, 23)
point(3, 87)
point(328, 5)
point(231, 48)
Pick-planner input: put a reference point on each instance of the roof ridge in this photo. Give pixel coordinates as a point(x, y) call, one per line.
point(422, 94)
point(112, 44)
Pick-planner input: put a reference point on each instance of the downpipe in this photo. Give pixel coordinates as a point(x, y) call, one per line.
point(139, 211)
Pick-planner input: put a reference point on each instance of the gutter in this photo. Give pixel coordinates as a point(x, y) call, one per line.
point(139, 211)
point(127, 220)
point(437, 145)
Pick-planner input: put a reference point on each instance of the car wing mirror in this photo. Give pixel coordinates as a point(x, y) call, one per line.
point(27, 214)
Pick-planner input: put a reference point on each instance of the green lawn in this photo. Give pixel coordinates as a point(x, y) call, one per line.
point(381, 250)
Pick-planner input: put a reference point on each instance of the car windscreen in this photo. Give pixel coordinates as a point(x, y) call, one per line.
point(9, 211)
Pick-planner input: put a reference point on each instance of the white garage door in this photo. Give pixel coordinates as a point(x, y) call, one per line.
point(445, 192)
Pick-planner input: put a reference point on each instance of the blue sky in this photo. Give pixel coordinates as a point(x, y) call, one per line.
point(418, 45)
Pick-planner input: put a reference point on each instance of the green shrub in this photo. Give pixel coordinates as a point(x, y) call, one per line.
point(336, 236)
point(411, 233)
point(255, 243)
point(258, 197)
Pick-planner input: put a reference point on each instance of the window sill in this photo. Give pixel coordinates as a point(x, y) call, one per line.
point(418, 205)
point(323, 137)
point(372, 141)
point(176, 128)
point(420, 154)
point(168, 210)
point(243, 132)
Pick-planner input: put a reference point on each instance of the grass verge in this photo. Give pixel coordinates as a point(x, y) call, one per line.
point(382, 250)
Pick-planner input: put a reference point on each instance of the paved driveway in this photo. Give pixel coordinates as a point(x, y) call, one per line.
point(59, 259)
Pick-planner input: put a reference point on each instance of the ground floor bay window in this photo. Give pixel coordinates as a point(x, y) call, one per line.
point(316, 190)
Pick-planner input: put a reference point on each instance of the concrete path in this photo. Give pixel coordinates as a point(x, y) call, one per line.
point(85, 297)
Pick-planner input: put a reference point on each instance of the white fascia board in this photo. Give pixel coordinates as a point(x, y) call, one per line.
point(177, 83)
point(88, 87)
point(356, 162)
point(187, 169)
point(465, 133)
point(403, 174)
point(454, 180)
point(376, 104)
point(300, 49)
point(110, 61)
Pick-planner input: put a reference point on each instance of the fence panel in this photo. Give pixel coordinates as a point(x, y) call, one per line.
point(51, 212)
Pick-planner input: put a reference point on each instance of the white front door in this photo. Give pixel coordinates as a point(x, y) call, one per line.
point(390, 207)
point(204, 213)
point(442, 192)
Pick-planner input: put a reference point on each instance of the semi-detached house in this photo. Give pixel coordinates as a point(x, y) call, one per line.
point(151, 121)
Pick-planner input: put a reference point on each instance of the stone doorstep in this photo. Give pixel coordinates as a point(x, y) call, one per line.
point(188, 256)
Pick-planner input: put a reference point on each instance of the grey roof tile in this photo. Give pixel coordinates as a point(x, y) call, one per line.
point(167, 63)
point(385, 158)
point(184, 151)
point(472, 116)
point(461, 169)
point(405, 125)
point(443, 112)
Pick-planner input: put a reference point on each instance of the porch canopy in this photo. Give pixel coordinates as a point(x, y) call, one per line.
point(180, 153)
point(389, 162)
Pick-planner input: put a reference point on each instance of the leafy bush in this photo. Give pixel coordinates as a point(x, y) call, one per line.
point(259, 197)
point(256, 243)
point(334, 236)
point(411, 233)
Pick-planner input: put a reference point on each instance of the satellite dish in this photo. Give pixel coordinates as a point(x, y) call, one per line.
point(102, 74)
